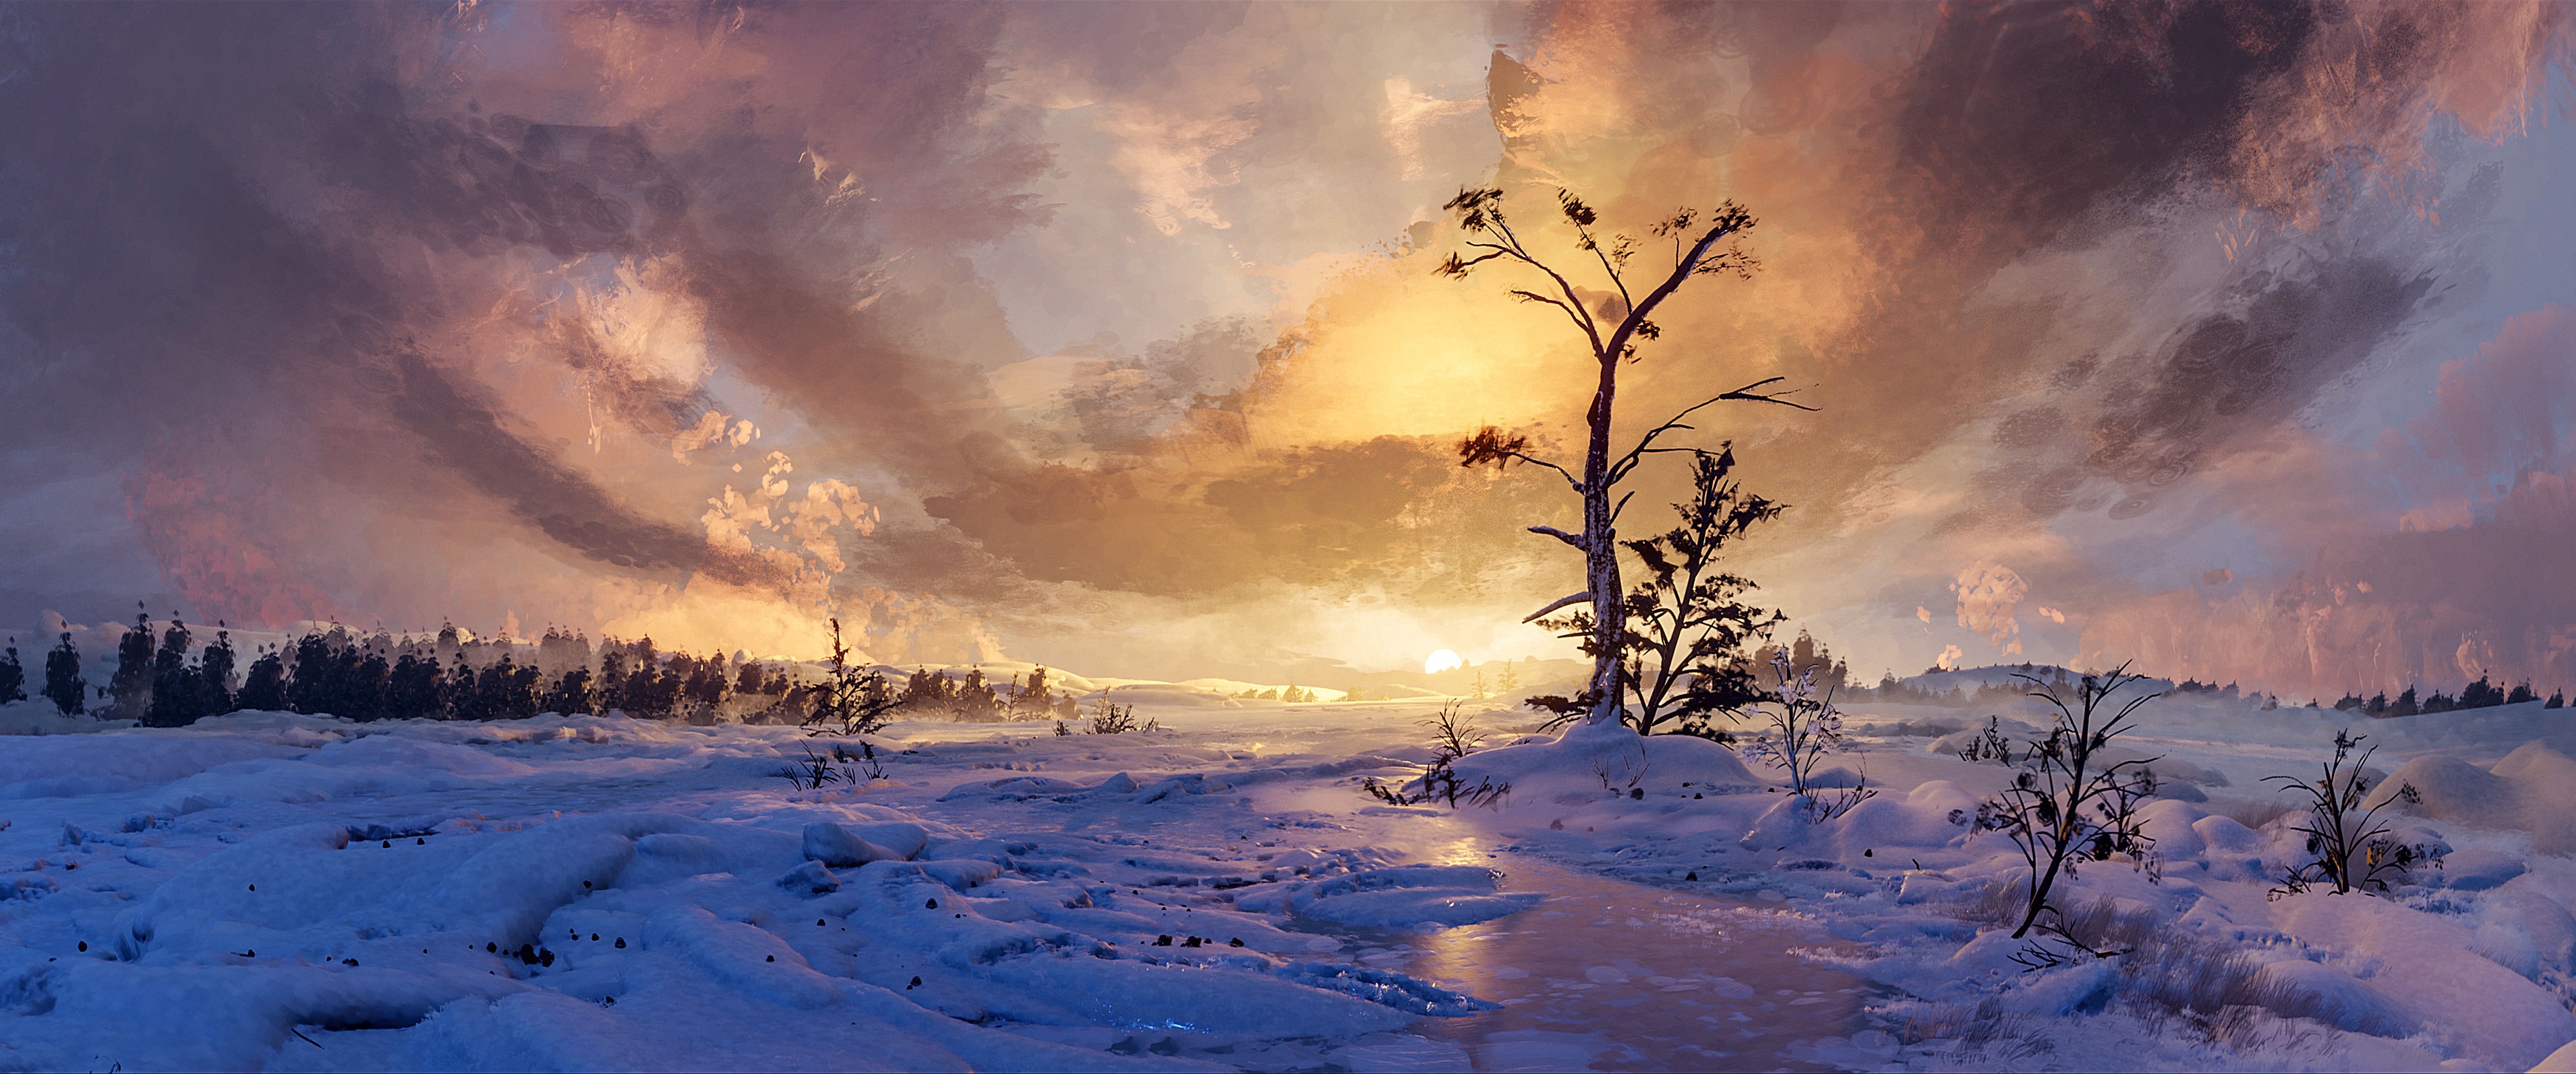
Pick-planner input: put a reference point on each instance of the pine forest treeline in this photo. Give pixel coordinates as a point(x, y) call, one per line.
point(382, 676)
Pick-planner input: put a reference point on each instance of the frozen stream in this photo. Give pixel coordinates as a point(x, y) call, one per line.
point(1612, 975)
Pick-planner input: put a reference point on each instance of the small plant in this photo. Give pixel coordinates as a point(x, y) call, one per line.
point(2068, 803)
point(866, 756)
point(1630, 774)
point(1110, 718)
point(1803, 729)
point(811, 774)
point(1989, 745)
point(2353, 852)
point(853, 701)
point(1452, 737)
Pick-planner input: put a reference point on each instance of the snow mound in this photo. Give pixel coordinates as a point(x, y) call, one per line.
point(2336, 998)
point(1937, 813)
point(55, 766)
point(2423, 966)
point(2533, 789)
point(1589, 756)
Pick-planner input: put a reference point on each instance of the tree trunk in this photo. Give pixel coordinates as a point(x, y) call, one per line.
point(1601, 556)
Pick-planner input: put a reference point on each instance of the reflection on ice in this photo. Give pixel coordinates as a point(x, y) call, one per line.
point(1611, 975)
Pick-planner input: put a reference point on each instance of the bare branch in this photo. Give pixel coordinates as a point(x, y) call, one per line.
point(1591, 330)
point(1748, 393)
point(1569, 538)
point(1532, 296)
point(1730, 220)
point(1560, 471)
point(1570, 598)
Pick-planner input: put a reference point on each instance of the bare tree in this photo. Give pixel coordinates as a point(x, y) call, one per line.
point(1613, 324)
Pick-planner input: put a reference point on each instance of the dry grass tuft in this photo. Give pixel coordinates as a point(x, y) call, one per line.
point(2164, 974)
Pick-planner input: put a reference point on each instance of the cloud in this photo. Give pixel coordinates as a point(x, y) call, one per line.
point(986, 325)
point(1988, 595)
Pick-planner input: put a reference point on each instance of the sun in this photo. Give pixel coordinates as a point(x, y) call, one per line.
point(1441, 660)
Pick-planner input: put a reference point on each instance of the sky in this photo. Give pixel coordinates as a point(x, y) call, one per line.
point(2237, 340)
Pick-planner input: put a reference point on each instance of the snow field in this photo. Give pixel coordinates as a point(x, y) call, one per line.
point(1002, 899)
point(2468, 964)
point(272, 890)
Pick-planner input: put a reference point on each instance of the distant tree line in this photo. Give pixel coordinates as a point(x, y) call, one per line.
point(2481, 694)
point(381, 676)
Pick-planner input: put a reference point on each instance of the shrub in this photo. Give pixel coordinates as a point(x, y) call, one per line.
point(1108, 718)
point(2066, 804)
point(854, 700)
point(1989, 745)
point(1452, 737)
point(1803, 729)
point(811, 773)
point(2352, 852)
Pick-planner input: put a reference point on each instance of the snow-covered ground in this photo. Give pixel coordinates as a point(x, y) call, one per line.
point(275, 891)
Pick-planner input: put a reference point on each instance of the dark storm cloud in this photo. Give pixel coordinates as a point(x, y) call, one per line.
point(465, 436)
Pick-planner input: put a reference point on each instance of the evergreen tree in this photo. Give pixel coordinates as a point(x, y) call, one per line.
point(2521, 693)
point(661, 691)
point(463, 702)
point(1034, 698)
point(571, 694)
point(707, 685)
point(2557, 698)
point(63, 684)
point(174, 701)
point(215, 672)
point(130, 689)
point(926, 693)
point(367, 686)
point(610, 694)
point(2404, 705)
point(506, 691)
point(752, 679)
point(308, 688)
point(974, 699)
point(264, 686)
point(411, 688)
point(13, 675)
